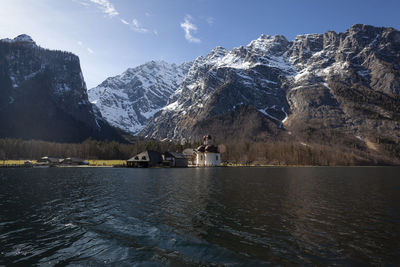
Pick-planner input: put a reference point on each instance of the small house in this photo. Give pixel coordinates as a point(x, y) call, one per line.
point(145, 159)
point(175, 159)
point(190, 154)
point(50, 161)
point(74, 161)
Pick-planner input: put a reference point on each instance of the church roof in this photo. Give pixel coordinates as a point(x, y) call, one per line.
point(208, 148)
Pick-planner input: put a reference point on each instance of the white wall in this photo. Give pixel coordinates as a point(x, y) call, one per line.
point(208, 159)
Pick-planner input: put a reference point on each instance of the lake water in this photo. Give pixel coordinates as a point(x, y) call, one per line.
point(203, 216)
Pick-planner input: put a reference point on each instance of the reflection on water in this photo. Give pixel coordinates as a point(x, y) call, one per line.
point(252, 216)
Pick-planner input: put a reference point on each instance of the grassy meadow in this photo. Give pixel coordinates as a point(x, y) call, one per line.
point(106, 163)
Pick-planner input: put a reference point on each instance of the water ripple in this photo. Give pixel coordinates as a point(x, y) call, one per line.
point(191, 217)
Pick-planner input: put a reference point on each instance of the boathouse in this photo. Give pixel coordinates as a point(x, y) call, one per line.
point(175, 159)
point(74, 161)
point(190, 154)
point(50, 161)
point(148, 158)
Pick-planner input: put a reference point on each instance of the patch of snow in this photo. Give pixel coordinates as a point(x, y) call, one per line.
point(63, 88)
point(330, 90)
point(364, 73)
point(297, 88)
point(33, 74)
point(173, 106)
point(373, 42)
point(318, 54)
point(97, 123)
point(13, 81)
point(269, 115)
point(359, 138)
point(150, 113)
point(304, 73)
point(239, 104)
point(286, 115)
point(326, 85)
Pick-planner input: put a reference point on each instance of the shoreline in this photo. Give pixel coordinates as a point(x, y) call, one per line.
point(20, 166)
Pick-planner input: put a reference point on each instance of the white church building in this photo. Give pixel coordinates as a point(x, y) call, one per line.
point(207, 154)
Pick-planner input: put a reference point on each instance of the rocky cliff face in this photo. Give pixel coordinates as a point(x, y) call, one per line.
point(225, 81)
point(332, 86)
point(129, 100)
point(346, 82)
point(43, 95)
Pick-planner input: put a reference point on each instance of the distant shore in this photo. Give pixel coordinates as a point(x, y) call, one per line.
point(122, 164)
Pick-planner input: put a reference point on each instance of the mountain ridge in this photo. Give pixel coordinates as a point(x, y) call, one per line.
point(43, 95)
point(130, 99)
point(312, 88)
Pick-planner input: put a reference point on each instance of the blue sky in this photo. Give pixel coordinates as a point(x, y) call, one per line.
point(111, 35)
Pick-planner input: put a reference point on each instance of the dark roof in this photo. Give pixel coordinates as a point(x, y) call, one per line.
point(204, 148)
point(189, 151)
point(50, 159)
point(75, 159)
point(176, 155)
point(207, 137)
point(212, 148)
point(147, 156)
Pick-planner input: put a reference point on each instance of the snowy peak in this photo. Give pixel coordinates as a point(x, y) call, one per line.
point(276, 44)
point(271, 74)
point(267, 50)
point(270, 71)
point(217, 53)
point(129, 100)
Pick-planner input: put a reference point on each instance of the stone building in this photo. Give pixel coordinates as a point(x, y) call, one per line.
point(208, 154)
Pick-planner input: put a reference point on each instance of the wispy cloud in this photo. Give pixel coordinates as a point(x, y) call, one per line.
point(189, 27)
point(80, 43)
point(82, 2)
point(210, 20)
point(137, 27)
point(124, 22)
point(106, 7)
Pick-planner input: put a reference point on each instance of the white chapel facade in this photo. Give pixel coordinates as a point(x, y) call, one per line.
point(207, 154)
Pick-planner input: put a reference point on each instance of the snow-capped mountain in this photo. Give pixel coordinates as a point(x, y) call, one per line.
point(328, 84)
point(224, 80)
point(331, 87)
point(129, 100)
point(44, 96)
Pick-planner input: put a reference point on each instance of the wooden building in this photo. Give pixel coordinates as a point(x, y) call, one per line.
point(148, 158)
point(74, 161)
point(48, 161)
point(175, 159)
point(190, 154)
